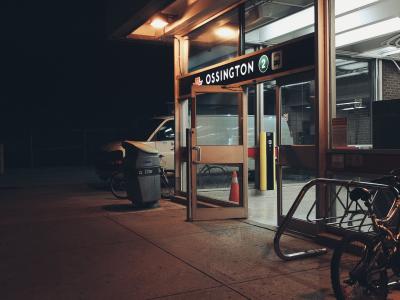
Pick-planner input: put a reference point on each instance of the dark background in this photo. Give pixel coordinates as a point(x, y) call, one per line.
point(66, 88)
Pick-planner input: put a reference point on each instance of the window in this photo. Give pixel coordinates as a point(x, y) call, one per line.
point(166, 132)
point(354, 96)
point(366, 56)
point(273, 22)
point(215, 41)
point(298, 111)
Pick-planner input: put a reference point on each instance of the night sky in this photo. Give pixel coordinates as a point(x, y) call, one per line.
point(59, 70)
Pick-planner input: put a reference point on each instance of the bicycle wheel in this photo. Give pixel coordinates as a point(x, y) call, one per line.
point(356, 269)
point(165, 185)
point(118, 185)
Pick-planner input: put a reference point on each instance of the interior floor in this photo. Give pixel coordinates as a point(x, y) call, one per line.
point(263, 206)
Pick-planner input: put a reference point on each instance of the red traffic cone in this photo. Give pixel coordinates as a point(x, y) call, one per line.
point(234, 195)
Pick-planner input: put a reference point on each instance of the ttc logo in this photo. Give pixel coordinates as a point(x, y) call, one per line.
point(198, 81)
point(263, 63)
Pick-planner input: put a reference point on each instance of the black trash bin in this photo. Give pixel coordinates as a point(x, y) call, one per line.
point(142, 172)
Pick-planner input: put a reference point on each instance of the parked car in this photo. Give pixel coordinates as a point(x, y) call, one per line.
point(158, 132)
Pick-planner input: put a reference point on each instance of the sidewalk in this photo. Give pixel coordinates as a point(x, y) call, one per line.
point(76, 242)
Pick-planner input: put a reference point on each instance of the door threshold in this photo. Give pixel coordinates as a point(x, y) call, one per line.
point(261, 225)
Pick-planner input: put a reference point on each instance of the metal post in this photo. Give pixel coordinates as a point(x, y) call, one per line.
point(259, 126)
point(286, 221)
point(84, 136)
point(1, 159)
point(189, 174)
point(31, 158)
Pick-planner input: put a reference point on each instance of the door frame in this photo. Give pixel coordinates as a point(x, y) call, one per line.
point(216, 154)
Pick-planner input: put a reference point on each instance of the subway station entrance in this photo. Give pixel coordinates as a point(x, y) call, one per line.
point(248, 146)
point(303, 89)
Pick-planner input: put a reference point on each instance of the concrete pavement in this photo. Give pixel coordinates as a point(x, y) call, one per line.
point(70, 239)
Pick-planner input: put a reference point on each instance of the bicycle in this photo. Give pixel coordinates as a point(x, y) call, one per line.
point(367, 266)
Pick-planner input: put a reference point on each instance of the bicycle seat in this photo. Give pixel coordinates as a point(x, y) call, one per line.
point(360, 193)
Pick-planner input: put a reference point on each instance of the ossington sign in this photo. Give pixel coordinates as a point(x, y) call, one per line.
point(230, 73)
point(288, 56)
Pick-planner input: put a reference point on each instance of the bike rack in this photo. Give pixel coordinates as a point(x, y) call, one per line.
point(326, 181)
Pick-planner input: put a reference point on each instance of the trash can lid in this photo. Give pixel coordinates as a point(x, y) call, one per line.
point(139, 145)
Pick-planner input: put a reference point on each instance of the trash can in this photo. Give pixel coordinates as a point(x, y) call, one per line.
point(142, 172)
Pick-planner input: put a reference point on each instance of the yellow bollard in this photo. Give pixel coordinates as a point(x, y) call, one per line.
point(263, 161)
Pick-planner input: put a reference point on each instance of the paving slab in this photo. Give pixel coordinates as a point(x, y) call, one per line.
point(126, 270)
point(48, 237)
point(170, 224)
point(208, 294)
point(241, 253)
point(307, 285)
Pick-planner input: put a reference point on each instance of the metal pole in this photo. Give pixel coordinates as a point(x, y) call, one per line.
point(84, 147)
point(1, 159)
point(189, 174)
point(31, 148)
point(296, 203)
point(259, 127)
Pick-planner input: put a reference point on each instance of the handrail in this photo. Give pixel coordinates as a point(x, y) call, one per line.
point(282, 228)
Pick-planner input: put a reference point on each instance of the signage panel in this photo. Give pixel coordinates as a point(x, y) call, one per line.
point(271, 60)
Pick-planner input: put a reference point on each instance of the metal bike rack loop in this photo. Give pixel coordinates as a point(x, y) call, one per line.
point(285, 223)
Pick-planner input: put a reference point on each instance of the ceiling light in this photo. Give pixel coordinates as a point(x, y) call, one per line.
point(368, 32)
point(394, 51)
point(343, 6)
point(305, 18)
point(383, 51)
point(348, 103)
point(159, 23)
point(353, 108)
point(225, 32)
point(289, 24)
point(354, 66)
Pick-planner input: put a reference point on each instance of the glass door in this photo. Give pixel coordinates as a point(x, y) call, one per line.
point(218, 153)
point(296, 149)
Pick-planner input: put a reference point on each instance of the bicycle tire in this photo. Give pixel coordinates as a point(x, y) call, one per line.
point(118, 185)
point(207, 169)
point(364, 254)
point(165, 184)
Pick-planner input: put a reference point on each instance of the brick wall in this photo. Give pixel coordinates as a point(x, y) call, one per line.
point(390, 81)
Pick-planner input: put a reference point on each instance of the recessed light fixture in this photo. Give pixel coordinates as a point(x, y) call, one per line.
point(394, 51)
point(368, 32)
point(383, 51)
point(159, 23)
point(343, 6)
point(226, 32)
point(305, 18)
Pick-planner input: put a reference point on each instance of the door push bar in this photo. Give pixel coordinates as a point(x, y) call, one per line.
point(198, 151)
point(285, 223)
point(189, 175)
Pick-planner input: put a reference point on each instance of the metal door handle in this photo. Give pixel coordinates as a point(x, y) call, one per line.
point(198, 150)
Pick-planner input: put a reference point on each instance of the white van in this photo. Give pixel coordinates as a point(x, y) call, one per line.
point(211, 130)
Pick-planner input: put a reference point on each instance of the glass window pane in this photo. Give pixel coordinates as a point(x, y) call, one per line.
point(273, 22)
point(166, 132)
point(217, 120)
point(367, 44)
point(214, 185)
point(214, 42)
point(298, 111)
point(293, 180)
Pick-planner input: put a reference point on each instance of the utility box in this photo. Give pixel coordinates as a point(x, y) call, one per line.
point(142, 173)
